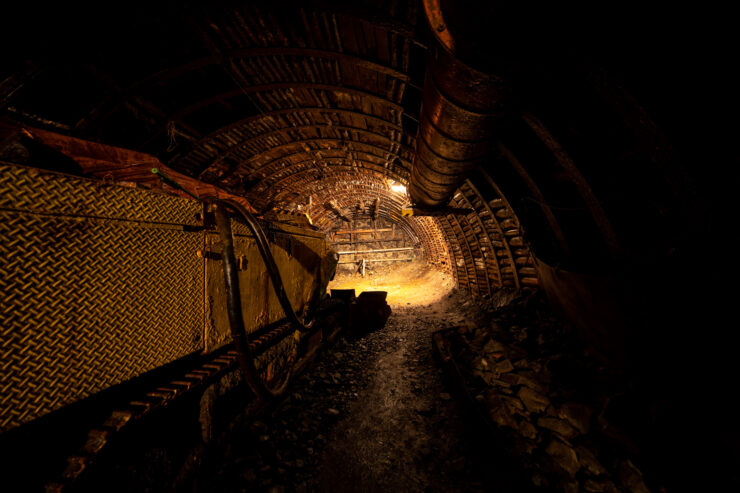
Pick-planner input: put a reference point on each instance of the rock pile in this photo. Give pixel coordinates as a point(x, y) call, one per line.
point(546, 395)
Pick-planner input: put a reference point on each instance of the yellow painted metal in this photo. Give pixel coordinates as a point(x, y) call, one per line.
point(298, 254)
point(100, 283)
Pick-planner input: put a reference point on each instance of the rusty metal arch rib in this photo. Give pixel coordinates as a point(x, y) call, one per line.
point(172, 72)
point(376, 183)
point(428, 233)
point(470, 265)
point(490, 240)
point(277, 113)
point(392, 175)
point(270, 195)
point(534, 188)
point(283, 130)
point(265, 166)
point(346, 197)
point(297, 109)
point(369, 189)
point(486, 206)
point(360, 190)
point(454, 247)
point(283, 85)
point(164, 75)
point(331, 168)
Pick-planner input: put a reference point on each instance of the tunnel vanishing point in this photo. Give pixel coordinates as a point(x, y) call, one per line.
point(179, 182)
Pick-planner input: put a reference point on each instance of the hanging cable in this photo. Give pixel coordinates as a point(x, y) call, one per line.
point(263, 246)
point(233, 291)
point(236, 319)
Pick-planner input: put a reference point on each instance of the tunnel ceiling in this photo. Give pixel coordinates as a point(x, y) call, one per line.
point(295, 104)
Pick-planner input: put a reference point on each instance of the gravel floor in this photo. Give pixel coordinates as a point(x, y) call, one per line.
point(372, 414)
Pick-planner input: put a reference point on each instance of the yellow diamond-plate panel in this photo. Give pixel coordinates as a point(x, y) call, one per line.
point(86, 303)
point(33, 190)
point(298, 254)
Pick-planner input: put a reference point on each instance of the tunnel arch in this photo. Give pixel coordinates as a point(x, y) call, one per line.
point(306, 123)
point(264, 101)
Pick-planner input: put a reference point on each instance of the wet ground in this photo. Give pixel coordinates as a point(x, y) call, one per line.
point(372, 414)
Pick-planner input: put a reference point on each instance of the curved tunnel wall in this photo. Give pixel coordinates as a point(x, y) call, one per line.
point(362, 191)
point(271, 102)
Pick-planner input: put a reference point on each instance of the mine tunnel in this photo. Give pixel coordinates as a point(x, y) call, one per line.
point(397, 245)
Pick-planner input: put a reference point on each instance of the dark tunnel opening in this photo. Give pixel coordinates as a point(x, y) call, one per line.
point(542, 192)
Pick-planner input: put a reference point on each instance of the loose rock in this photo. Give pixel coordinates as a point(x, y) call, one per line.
point(564, 457)
point(534, 401)
point(589, 461)
point(558, 426)
point(631, 478)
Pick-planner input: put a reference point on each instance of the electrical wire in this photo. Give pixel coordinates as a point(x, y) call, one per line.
point(272, 268)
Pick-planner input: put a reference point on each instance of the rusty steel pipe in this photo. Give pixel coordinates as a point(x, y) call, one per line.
point(461, 109)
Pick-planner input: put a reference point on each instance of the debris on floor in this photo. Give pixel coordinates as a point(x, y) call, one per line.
point(372, 414)
point(545, 396)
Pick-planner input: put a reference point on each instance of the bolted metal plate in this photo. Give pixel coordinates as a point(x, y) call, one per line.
point(33, 190)
point(298, 254)
point(87, 302)
point(100, 283)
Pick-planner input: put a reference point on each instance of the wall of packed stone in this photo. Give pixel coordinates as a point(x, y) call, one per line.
point(564, 417)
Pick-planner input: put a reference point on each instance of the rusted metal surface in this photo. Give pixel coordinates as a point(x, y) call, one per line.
point(224, 97)
point(284, 118)
point(280, 134)
point(324, 143)
point(361, 231)
point(564, 160)
point(298, 253)
point(532, 185)
point(274, 185)
point(518, 252)
point(486, 237)
point(415, 211)
point(460, 111)
point(234, 307)
point(379, 250)
point(116, 164)
point(279, 106)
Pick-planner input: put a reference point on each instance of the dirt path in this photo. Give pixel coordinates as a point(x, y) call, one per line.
point(371, 415)
point(403, 433)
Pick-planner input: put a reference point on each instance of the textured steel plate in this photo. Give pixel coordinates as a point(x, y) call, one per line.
point(100, 283)
point(86, 302)
point(298, 254)
point(32, 190)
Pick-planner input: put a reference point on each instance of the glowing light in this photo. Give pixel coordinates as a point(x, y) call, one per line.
point(398, 188)
point(407, 284)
